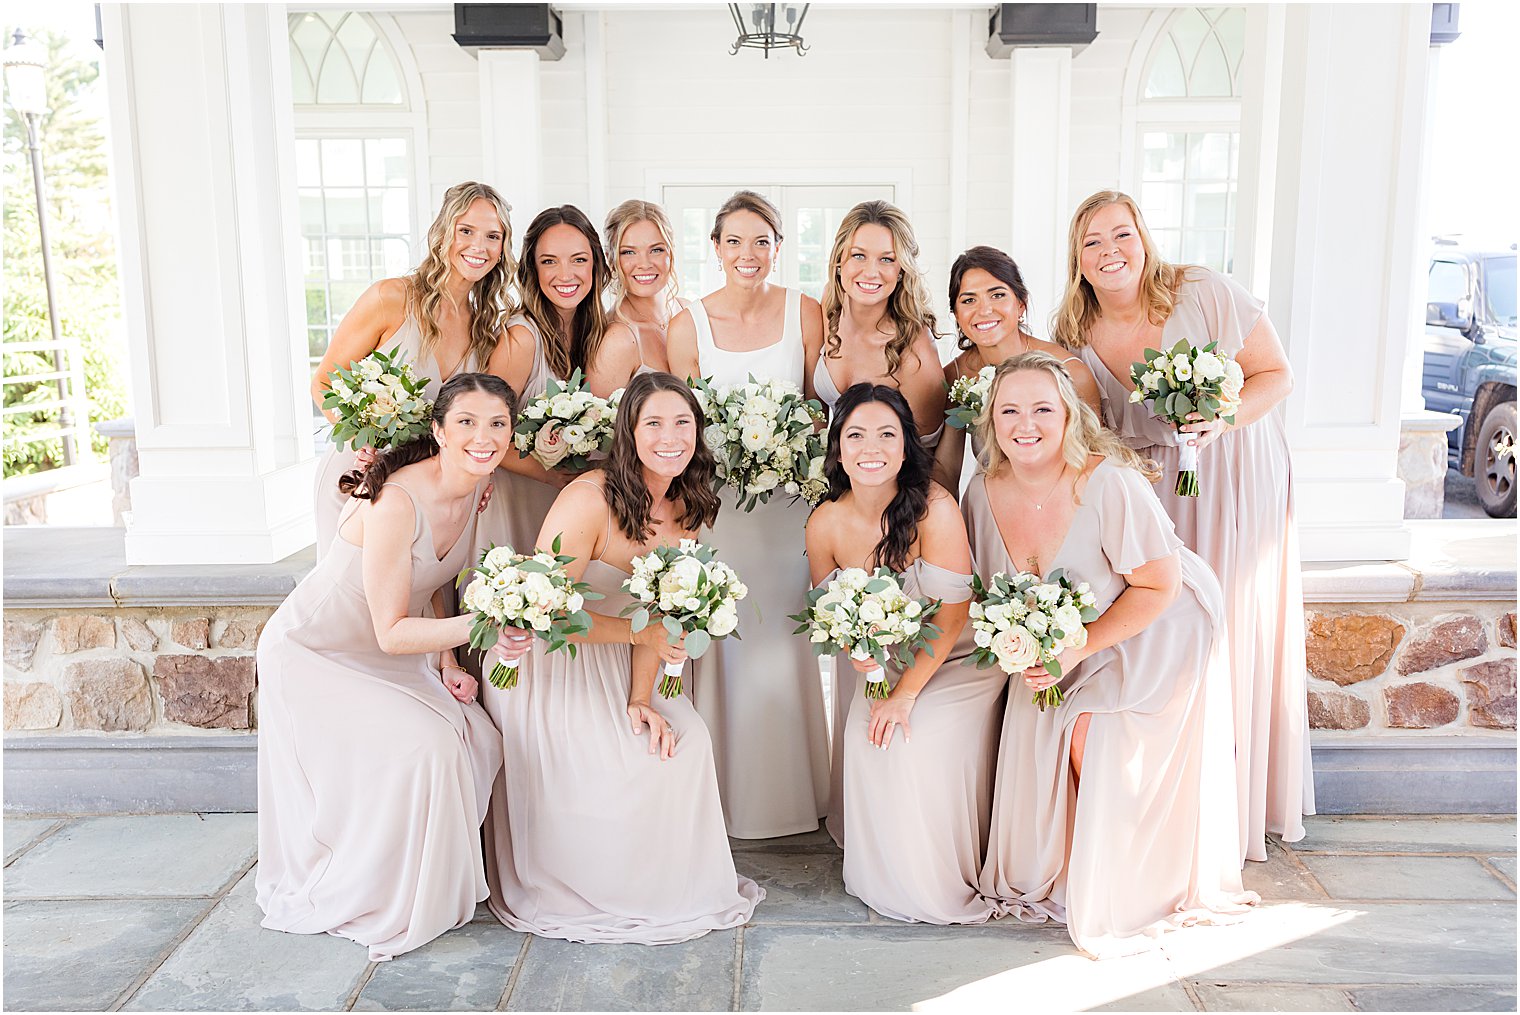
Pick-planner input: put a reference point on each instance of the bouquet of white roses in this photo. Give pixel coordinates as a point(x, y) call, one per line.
point(380, 403)
point(967, 396)
point(688, 592)
point(565, 425)
point(1024, 620)
point(868, 616)
point(763, 436)
point(1183, 381)
point(529, 591)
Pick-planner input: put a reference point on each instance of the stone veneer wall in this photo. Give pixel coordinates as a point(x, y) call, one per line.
point(143, 670)
point(1446, 667)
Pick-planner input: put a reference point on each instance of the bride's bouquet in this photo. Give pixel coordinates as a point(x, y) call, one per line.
point(565, 425)
point(1183, 381)
point(1024, 620)
point(689, 593)
point(967, 396)
point(529, 591)
point(868, 616)
point(380, 403)
point(763, 436)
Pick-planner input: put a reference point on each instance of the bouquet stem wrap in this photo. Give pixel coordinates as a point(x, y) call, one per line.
point(876, 683)
point(503, 675)
point(1187, 464)
point(670, 683)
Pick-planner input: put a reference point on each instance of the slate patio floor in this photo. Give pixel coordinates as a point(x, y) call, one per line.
point(135, 913)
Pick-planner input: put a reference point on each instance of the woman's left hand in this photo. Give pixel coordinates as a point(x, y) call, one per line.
point(662, 739)
point(887, 714)
point(485, 498)
point(1208, 430)
point(460, 684)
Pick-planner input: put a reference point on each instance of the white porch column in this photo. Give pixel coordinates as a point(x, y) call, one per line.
point(204, 167)
point(1345, 236)
point(510, 131)
point(1041, 111)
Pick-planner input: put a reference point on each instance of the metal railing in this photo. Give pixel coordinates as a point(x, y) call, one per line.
point(68, 403)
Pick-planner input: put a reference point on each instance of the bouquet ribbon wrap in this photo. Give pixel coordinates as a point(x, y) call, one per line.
point(876, 683)
point(1187, 464)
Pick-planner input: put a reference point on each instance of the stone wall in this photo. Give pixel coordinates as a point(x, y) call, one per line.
point(1376, 668)
point(156, 670)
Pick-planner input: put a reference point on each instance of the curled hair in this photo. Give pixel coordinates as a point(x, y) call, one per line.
point(490, 298)
point(367, 484)
point(1084, 436)
point(627, 214)
point(899, 522)
point(995, 263)
point(908, 305)
point(747, 200)
point(628, 495)
point(1159, 280)
point(565, 353)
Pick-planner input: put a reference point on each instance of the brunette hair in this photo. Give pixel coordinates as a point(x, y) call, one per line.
point(995, 263)
point(1159, 280)
point(565, 353)
point(366, 484)
point(747, 200)
point(899, 522)
point(627, 495)
point(908, 305)
point(1084, 436)
point(490, 298)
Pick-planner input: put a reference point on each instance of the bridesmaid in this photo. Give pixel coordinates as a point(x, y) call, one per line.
point(375, 763)
point(1121, 298)
point(877, 322)
point(915, 809)
point(991, 305)
point(1150, 840)
point(594, 835)
point(444, 318)
point(563, 327)
point(762, 697)
point(641, 249)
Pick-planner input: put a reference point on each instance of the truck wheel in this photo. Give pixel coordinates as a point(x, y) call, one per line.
point(1494, 468)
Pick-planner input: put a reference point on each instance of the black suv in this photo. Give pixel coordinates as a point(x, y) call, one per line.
point(1470, 365)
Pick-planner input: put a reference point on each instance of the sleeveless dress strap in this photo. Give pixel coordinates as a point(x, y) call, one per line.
point(418, 518)
point(706, 348)
point(607, 530)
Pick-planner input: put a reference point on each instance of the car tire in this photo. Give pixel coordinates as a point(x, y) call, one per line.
point(1494, 461)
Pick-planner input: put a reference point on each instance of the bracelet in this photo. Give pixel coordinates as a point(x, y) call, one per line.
point(630, 634)
point(452, 666)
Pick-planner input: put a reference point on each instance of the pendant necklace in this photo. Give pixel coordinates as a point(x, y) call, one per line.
point(1061, 475)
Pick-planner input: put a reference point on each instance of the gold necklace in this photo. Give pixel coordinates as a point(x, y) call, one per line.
point(1059, 476)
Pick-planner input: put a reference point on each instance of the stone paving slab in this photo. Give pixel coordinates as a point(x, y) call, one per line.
point(1460, 943)
point(817, 841)
point(230, 963)
point(1433, 999)
point(1434, 834)
point(136, 855)
point(801, 886)
point(564, 976)
point(464, 970)
point(1504, 863)
point(81, 956)
point(1280, 877)
point(21, 832)
point(1270, 997)
point(1406, 877)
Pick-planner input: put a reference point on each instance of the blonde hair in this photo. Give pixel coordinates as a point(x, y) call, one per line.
point(491, 299)
point(1159, 280)
point(1084, 435)
point(908, 306)
point(619, 220)
point(747, 200)
point(565, 353)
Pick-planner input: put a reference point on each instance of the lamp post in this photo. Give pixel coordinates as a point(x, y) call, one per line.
point(26, 88)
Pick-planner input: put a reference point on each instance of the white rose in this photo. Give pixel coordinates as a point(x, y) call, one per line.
point(983, 638)
point(1067, 618)
point(819, 635)
point(723, 621)
point(1075, 638)
point(638, 587)
point(1015, 649)
point(1208, 367)
point(767, 480)
point(1137, 395)
point(575, 602)
point(871, 612)
point(534, 411)
point(1037, 623)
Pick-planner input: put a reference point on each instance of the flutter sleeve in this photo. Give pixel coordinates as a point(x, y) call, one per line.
point(1228, 309)
point(1133, 527)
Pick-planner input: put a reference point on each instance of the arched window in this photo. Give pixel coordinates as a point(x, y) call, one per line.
point(359, 125)
point(1183, 105)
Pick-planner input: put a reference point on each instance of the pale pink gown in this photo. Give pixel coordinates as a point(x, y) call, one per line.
point(1151, 841)
point(1242, 525)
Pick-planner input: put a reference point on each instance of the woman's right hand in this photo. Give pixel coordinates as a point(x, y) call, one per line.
point(365, 457)
point(512, 644)
point(655, 636)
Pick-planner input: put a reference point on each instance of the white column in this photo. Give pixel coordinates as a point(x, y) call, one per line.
point(510, 130)
point(203, 159)
point(597, 205)
point(1260, 112)
point(1041, 110)
point(1345, 237)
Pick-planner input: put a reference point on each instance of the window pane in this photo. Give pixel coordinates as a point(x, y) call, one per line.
point(1208, 156)
point(345, 211)
point(316, 343)
point(390, 210)
point(385, 162)
point(1204, 247)
point(1161, 204)
point(1208, 205)
point(343, 296)
point(303, 90)
point(380, 83)
point(1211, 76)
point(1448, 282)
point(342, 162)
point(1166, 79)
point(1164, 155)
point(1231, 29)
point(308, 162)
point(1168, 243)
point(1189, 29)
point(393, 257)
point(312, 220)
point(316, 304)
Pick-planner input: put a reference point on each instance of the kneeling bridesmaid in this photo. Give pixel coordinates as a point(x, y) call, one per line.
point(917, 778)
point(375, 763)
point(1150, 842)
point(595, 832)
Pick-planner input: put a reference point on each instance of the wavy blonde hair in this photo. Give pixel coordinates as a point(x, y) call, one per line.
point(625, 215)
point(565, 353)
point(1159, 280)
point(491, 300)
point(909, 303)
point(1084, 435)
